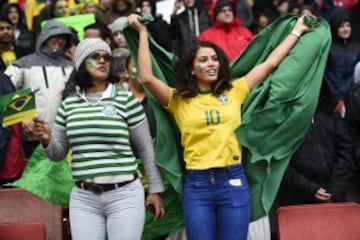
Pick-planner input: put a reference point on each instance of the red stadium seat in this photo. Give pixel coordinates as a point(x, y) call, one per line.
point(20, 206)
point(21, 231)
point(328, 221)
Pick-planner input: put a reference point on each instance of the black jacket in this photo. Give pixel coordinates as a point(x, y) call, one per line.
point(180, 31)
point(26, 38)
point(324, 159)
point(159, 30)
point(352, 116)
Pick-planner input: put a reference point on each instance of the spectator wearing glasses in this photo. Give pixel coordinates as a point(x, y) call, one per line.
point(98, 123)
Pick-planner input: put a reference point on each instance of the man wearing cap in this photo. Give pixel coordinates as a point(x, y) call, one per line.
point(47, 70)
point(226, 31)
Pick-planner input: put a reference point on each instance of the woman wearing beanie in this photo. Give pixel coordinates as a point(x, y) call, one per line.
point(206, 107)
point(117, 35)
point(97, 124)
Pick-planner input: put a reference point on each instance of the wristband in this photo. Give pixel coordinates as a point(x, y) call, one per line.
point(295, 33)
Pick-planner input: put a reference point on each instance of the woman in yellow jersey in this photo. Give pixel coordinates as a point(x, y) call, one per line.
point(207, 110)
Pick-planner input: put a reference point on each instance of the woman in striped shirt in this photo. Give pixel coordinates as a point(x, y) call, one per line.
point(97, 124)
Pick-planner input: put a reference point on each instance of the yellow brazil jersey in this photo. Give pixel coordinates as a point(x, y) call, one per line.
point(207, 124)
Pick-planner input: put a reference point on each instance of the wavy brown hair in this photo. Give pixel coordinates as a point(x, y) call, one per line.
point(187, 85)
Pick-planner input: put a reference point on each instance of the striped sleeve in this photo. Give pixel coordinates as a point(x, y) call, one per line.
point(135, 112)
point(60, 118)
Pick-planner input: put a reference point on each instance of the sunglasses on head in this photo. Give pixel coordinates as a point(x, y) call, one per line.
point(97, 56)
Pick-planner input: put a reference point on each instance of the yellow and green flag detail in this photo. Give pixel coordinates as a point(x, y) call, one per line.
point(17, 106)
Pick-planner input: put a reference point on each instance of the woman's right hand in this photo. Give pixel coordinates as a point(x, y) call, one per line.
point(135, 23)
point(322, 195)
point(41, 130)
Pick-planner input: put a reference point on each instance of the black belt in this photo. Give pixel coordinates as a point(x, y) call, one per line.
point(100, 188)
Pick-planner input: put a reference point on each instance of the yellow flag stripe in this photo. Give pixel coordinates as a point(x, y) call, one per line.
point(18, 117)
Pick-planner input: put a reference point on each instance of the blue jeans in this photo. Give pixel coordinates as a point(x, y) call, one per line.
point(217, 204)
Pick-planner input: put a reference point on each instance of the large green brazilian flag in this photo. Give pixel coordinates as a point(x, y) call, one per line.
point(278, 112)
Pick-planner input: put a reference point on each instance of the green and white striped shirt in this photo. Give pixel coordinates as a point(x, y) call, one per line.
point(98, 133)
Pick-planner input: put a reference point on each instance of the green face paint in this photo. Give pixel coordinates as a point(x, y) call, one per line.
point(199, 68)
point(133, 74)
point(90, 63)
point(61, 8)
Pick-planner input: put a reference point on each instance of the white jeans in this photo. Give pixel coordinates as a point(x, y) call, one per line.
point(116, 214)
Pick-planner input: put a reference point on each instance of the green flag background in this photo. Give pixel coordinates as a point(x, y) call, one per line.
point(52, 181)
point(278, 112)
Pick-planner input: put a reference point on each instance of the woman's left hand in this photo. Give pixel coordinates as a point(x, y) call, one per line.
point(155, 204)
point(300, 25)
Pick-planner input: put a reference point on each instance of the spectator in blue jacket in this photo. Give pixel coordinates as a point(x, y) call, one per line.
point(343, 56)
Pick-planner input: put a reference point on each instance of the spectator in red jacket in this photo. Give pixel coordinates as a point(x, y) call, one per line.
point(227, 31)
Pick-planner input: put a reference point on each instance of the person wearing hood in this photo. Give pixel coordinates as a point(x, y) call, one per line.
point(227, 31)
point(343, 56)
point(46, 70)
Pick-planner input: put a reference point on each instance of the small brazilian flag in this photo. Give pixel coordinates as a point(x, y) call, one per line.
point(17, 106)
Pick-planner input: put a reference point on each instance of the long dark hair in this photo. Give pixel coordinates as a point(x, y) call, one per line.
point(5, 14)
point(187, 86)
point(82, 79)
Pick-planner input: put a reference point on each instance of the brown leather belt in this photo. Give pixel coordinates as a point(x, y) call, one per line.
point(100, 188)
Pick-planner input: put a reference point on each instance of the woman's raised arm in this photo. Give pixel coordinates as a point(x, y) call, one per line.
point(261, 71)
point(158, 88)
